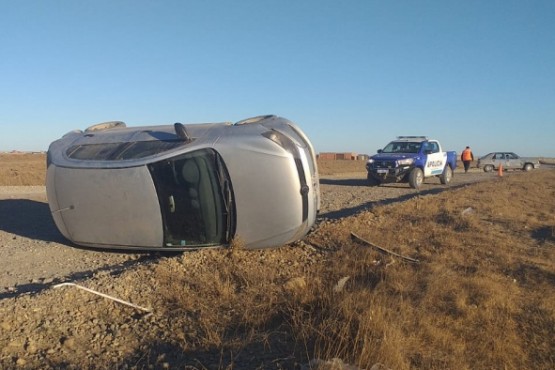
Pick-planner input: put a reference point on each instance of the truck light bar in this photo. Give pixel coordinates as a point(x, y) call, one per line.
point(413, 137)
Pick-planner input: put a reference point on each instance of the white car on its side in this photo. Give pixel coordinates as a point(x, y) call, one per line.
point(179, 187)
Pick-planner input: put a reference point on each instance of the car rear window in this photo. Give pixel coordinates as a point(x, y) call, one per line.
point(121, 151)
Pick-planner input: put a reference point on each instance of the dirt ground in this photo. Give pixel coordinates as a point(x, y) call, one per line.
point(22, 169)
point(44, 326)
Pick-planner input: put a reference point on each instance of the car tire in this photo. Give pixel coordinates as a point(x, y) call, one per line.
point(446, 176)
point(488, 168)
point(105, 126)
point(528, 167)
point(416, 178)
point(372, 181)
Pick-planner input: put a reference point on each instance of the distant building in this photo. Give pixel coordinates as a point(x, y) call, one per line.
point(327, 156)
point(342, 156)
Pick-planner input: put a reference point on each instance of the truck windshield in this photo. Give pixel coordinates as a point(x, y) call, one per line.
point(402, 147)
point(195, 199)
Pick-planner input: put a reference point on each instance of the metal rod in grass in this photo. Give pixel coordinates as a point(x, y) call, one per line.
point(148, 310)
point(359, 239)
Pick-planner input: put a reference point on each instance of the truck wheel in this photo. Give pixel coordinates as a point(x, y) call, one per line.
point(446, 176)
point(372, 181)
point(528, 167)
point(488, 168)
point(416, 178)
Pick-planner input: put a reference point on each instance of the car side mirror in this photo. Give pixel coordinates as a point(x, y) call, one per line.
point(428, 151)
point(379, 151)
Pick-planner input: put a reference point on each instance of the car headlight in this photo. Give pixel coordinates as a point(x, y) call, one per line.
point(405, 161)
point(281, 140)
point(370, 161)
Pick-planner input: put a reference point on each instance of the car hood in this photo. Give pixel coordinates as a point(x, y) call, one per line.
point(267, 194)
point(393, 156)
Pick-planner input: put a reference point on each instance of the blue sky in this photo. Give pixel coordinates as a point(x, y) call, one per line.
point(352, 74)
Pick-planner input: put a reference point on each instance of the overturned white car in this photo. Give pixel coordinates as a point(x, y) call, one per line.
point(179, 187)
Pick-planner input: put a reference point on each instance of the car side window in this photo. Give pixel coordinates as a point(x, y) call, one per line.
point(433, 147)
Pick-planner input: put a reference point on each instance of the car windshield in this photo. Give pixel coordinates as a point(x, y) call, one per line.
point(121, 150)
point(402, 147)
point(195, 199)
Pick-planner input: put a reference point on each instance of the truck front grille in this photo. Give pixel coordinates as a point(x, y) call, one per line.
point(385, 164)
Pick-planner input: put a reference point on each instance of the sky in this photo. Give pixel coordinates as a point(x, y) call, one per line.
point(352, 74)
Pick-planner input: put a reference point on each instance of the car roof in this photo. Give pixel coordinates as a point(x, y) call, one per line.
point(113, 144)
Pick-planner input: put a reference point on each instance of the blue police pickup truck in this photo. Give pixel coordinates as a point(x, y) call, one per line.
point(411, 159)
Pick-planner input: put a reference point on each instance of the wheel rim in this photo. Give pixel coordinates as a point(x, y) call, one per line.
point(448, 174)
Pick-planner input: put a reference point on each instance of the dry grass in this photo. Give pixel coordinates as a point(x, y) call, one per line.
point(22, 169)
point(331, 167)
point(482, 296)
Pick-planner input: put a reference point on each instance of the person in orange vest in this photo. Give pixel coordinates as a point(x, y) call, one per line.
point(467, 157)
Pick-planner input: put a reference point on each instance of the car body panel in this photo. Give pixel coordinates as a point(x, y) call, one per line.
point(101, 191)
point(126, 214)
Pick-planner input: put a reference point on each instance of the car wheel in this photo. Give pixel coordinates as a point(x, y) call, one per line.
point(105, 126)
point(528, 167)
point(447, 175)
point(372, 181)
point(416, 178)
point(488, 168)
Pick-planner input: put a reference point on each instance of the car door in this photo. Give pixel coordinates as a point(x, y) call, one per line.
point(435, 161)
point(513, 161)
point(498, 159)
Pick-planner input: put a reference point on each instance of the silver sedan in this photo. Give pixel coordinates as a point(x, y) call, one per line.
point(507, 160)
point(179, 187)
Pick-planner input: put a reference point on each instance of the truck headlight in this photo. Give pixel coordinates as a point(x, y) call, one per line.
point(405, 161)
